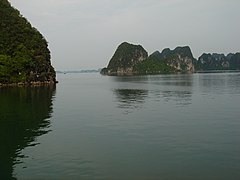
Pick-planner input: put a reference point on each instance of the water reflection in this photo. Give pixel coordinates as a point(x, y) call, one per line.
point(179, 80)
point(225, 83)
point(181, 98)
point(24, 115)
point(132, 92)
point(139, 78)
point(130, 98)
point(177, 88)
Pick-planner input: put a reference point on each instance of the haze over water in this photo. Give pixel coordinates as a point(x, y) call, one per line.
point(133, 127)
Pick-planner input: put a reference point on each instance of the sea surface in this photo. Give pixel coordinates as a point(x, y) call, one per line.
point(182, 126)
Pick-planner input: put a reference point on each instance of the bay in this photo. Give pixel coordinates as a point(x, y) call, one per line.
point(181, 126)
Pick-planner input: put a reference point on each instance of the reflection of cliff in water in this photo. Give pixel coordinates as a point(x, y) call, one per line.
point(130, 98)
point(179, 80)
point(133, 91)
point(176, 88)
point(220, 83)
point(24, 115)
point(182, 98)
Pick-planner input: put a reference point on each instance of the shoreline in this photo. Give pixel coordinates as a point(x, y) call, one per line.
point(29, 84)
point(177, 72)
point(217, 71)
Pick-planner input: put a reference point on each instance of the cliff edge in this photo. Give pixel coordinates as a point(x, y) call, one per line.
point(124, 59)
point(24, 53)
point(133, 59)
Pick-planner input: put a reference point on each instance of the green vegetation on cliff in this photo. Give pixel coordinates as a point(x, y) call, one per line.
point(133, 59)
point(24, 53)
point(153, 65)
point(125, 58)
point(218, 62)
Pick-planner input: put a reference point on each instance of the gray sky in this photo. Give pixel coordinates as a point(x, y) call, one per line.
point(83, 34)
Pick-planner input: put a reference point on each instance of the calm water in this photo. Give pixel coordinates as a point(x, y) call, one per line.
point(143, 127)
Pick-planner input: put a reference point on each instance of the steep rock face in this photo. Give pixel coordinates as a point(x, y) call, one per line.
point(218, 61)
point(235, 61)
point(24, 53)
point(124, 59)
point(180, 59)
point(133, 59)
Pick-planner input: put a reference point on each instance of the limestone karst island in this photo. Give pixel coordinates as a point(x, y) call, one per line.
point(25, 57)
point(132, 59)
point(24, 53)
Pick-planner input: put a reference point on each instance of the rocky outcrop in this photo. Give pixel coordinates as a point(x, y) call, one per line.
point(180, 59)
point(124, 59)
point(133, 59)
point(24, 54)
point(218, 62)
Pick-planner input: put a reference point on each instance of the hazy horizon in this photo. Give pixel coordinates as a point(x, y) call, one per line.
point(84, 34)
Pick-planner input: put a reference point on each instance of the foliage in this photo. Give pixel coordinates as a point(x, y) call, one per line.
point(218, 62)
point(134, 59)
point(152, 66)
point(126, 55)
point(24, 51)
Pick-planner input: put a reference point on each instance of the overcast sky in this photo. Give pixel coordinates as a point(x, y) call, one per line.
point(83, 34)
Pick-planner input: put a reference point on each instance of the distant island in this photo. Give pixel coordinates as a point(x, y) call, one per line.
point(132, 59)
point(24, 53)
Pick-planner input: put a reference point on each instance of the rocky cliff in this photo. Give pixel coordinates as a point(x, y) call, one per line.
point(218, 62)
point(180, 59)
point(133, 59)
point(24, 53)
point(124, 59)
